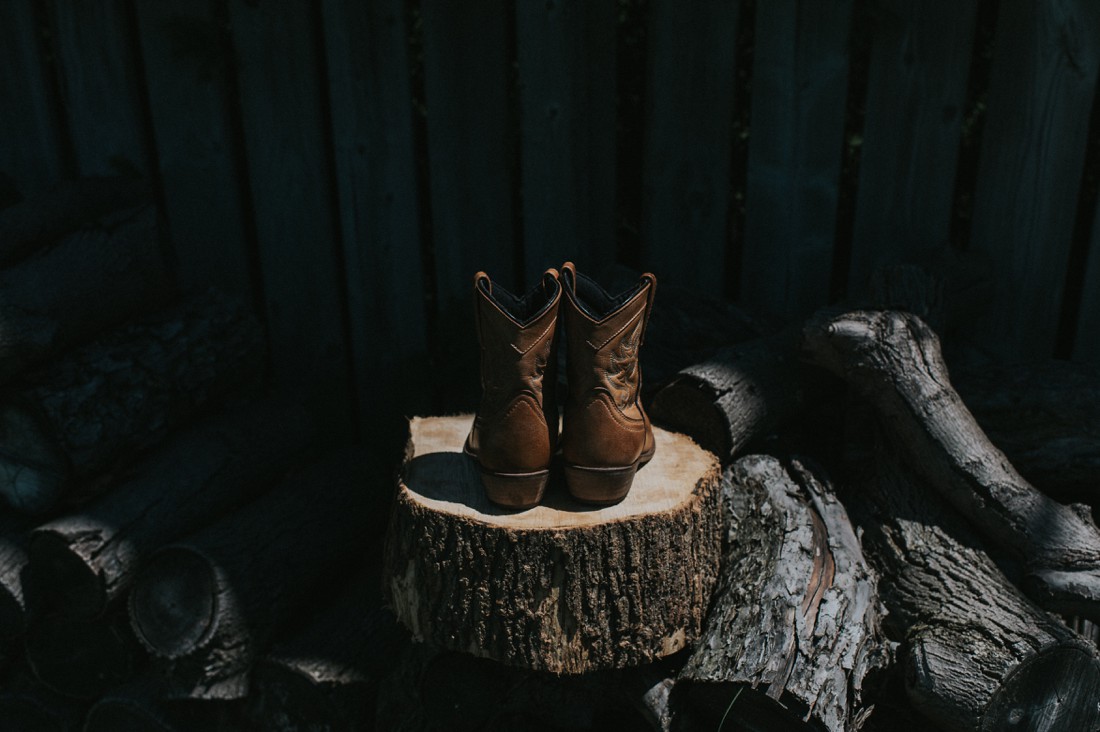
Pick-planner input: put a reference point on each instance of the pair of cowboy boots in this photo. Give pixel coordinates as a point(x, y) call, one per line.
point(606, 435)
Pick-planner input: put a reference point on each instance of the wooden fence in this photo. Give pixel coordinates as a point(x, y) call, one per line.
point(350, 164)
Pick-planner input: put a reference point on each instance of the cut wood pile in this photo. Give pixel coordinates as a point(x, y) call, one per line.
point(181, 548)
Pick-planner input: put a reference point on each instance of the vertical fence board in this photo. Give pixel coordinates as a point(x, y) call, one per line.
point(567, 94)
point(366, 47)
point(31, 150)
point(100, 90)
point(800, 82)
point(1086, 346)
point(686, 174)
point(1041, 89)
point(915, 96)
point(281, 104)
point(185, 69)
point(466, 78)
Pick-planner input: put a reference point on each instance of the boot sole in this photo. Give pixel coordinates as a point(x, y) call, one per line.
point(602, 486)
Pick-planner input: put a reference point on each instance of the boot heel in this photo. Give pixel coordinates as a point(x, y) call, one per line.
point(599, 486)
point(515, 490)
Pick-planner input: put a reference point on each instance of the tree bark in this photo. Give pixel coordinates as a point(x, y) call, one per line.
point(90, 281)
point(44, 217)
point(1045, 417)
point(893, 360)
point(13, 564)
point(83, 561)
point(82, 658)
point(207, 605)
point(101, 405)
point(977, 654)
point(740, 394)
point(560, 587)
point(794, 632)
point(325, 678)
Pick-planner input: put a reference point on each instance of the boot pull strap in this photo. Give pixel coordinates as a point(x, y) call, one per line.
point(652, 280)
point(480, 278)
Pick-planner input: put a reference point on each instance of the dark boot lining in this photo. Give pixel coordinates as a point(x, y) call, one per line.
point(594, 300)
point(524, 310)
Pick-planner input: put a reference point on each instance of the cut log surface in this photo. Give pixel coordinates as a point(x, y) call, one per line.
point(90, 281)
point(561, 587)
point(207, 605)
point(893, 360)
point(107, 401)
point(794, 631)
point(81, 562)
point(977, 653)
point(83, 658)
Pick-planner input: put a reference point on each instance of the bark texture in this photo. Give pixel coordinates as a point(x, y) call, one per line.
point(893, 360)
point(106, 402)
point(13, 563)
point(794, 631)
point(88, 282)
point(207, 605)
point(49, 215)
point(1045, 417)
point(82, 561)
point(325, 678)
point(736, 396)
point(977, 654)
point(556, 588)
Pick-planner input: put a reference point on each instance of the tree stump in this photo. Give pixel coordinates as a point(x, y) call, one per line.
point(561, 587)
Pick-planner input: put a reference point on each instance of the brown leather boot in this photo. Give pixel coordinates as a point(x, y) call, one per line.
point(516, 428)
point(606, 435)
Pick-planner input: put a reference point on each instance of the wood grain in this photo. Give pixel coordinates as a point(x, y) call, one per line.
point(1040, 94)
point(689, 121)
point(567, 95)
point(916, 90)
point(800, 73)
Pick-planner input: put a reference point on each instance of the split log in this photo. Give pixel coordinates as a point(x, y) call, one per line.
point(207, 605)
point(81, 562)
point(977, 653)
point(561, 587)
point(81, 658)
point(893, 360)
point(90, 281)
point(740, 394)
point(50, 214)
point(794, 632)
point(102, 404)
point(1045, 417)
point(135, 707)
point(13, 564)
point(326, 677)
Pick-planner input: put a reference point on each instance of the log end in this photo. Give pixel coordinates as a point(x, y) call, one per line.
point(1055, 689)
point(62, 580)
point(562, 587)
point(79, 658)
point(113, 714)
point(25, 712)
point(687, 405)
point(175, 602)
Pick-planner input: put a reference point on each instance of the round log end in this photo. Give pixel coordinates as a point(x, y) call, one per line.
point(112, 714)
point(12, 613)
point(62, 580)
point(26, 713)
point(33, 470)
point(562, 587)
point(1056, 689)
point(79, 658)
point(687, 404)
point(174, 602)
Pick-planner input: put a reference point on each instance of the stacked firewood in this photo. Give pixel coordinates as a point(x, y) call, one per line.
point(180, 548)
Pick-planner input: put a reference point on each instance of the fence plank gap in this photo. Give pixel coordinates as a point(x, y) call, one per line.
point(801, 60)
point(32, 157)
point(100, 87)
point(368, 70)
point(285, 144)
point(567, 92)
point(1041, 89)
point(689, 115)
point(919, 67)
point(186, 70)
